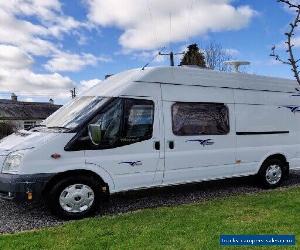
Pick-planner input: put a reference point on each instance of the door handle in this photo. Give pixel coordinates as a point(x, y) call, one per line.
point(157, 145)
point(171, 145)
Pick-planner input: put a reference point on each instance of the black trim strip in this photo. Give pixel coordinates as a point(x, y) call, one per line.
point(263, 133)
point(222, 87)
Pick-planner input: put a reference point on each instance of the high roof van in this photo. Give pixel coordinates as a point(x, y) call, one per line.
point(155, 127)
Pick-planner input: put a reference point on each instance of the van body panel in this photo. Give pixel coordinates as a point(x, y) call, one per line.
point(264, 120)
point(266, 126)
point(190, 160)
point(139, 164)
point(182, 93)
point(194, 76)
point(40, 160)
point(25, 139)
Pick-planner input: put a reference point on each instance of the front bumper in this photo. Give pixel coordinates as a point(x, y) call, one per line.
point(17, 187)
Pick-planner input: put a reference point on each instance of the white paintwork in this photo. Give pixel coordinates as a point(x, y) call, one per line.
point(253, 103)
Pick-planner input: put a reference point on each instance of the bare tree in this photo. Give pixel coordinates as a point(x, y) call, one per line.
point(215, 57)
point(289, 41)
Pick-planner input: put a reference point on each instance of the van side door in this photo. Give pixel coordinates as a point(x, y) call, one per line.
point(130, 144)
point(199, 134)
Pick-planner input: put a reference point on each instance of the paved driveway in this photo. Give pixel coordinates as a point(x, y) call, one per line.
point(18, 217)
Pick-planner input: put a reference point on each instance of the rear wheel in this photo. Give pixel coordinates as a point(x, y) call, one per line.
point(272, 173)
point(75, 197)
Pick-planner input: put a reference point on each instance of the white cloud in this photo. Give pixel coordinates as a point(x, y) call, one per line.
point(87, 84)
point(295, 41)
point(34, 37)
point(49, 13)
point(12, 57)
point(35, 28)
point(290, 10)
point(151, 56)
point(16, 75)
point(46, 9)
point(23, 34)
point(147, 25)
point(25, 81)
point(72, 62)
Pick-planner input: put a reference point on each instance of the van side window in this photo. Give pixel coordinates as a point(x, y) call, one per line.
point(138, 120)
point(125, 121)
point(110, 123)
point(200, 119)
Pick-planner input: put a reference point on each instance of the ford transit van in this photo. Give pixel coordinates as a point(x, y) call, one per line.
point(154, 127)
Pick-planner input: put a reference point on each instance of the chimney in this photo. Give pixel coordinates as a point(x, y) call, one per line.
point(51, 101)
point(14, 97)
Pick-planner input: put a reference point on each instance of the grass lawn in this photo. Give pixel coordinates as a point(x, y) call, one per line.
point(193, 226)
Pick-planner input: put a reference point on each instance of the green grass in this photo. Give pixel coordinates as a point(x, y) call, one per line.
point(193, 226)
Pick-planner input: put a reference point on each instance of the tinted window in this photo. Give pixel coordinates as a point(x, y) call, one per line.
point(200, 119)
point(110, 122)
point(122, 122)
point(138, 120)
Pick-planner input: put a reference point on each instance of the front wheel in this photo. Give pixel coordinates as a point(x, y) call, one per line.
point(74, 197)
point(272, 173)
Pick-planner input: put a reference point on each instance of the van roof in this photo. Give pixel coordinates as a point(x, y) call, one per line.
point(196, 77)
point(212, 78)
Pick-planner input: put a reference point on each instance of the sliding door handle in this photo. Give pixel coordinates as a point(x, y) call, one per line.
point(171, 144)
point(157, 145)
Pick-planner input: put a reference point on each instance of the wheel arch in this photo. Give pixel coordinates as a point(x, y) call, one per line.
point(77, 172)
point(275, 155)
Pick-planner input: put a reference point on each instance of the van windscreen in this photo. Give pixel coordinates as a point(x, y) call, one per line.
point(75, 112)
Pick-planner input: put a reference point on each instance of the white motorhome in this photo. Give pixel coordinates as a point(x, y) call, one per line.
point(155, 127)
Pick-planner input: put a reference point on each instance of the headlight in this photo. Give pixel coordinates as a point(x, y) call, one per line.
point(12, 162)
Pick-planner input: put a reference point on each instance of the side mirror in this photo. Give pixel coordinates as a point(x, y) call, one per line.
point(95, 133)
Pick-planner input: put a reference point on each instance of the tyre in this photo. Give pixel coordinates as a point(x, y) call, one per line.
point(75, 197)
point(272, 173)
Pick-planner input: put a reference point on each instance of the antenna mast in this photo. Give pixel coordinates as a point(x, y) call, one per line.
point(171, 55)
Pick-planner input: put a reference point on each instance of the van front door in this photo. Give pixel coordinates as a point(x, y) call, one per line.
point(200, 141)
point(129, 150)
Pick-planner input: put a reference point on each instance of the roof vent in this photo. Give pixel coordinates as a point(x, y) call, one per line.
point(237, 64)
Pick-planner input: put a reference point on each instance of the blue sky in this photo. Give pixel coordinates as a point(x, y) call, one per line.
point(49, 46)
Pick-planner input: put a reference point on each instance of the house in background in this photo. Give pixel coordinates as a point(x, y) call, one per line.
point(23, 115)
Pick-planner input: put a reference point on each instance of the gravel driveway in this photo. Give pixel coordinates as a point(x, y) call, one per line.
point(18, 217)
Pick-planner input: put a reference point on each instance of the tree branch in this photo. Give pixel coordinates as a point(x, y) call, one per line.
point(290, 34)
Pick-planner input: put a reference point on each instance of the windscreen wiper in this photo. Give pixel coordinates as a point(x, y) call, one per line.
point(33, 128)
point(58, 127)
point(38, 125)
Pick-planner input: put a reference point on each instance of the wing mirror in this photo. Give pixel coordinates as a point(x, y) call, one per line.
point(95, 133)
